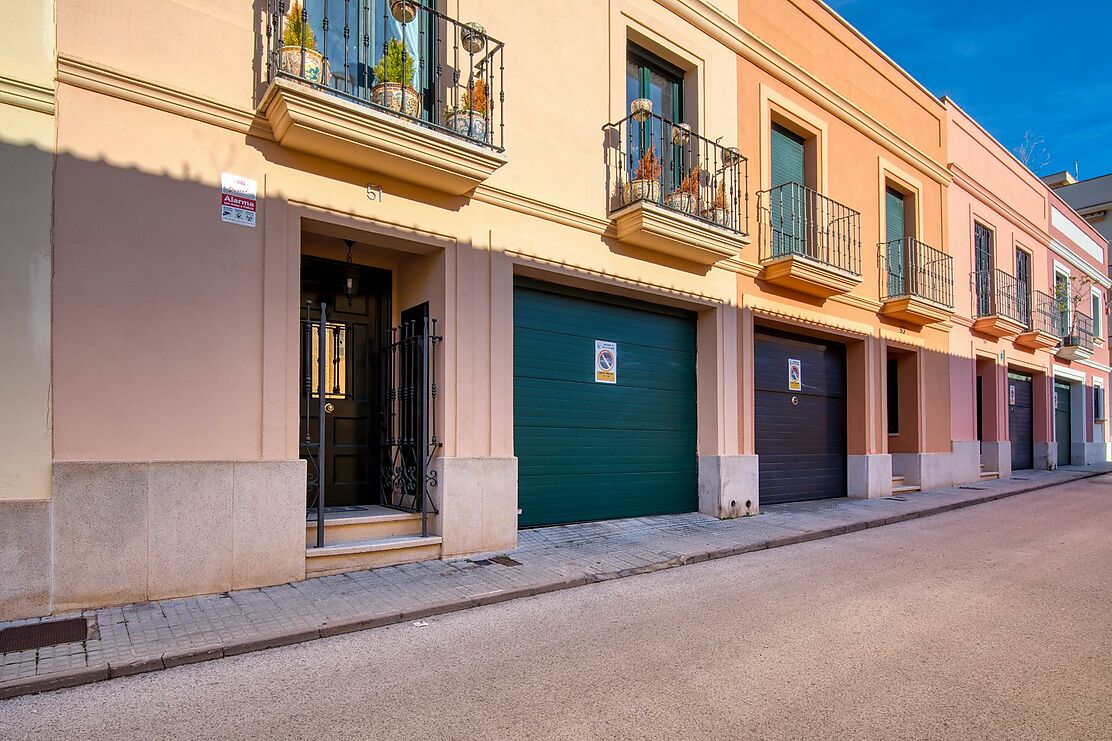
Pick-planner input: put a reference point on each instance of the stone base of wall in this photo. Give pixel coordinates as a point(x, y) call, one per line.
point(24, 558)
point(869, 476)
point(113, 533)
point(1094, 453)
point(996, 455)
point(477, 499)
point(728, 486)
point(1046, 456)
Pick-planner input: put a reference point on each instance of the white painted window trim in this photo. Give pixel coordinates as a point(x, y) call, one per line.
point(1073, 375)
point(1099, 314)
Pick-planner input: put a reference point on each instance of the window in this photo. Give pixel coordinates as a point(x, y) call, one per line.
point(1097, 324)
point(895, 230)
point(1062, 298)
point(648, 76)
point(1023, 283)
point(357, 36)
point(1098, 403)
point(982, 263)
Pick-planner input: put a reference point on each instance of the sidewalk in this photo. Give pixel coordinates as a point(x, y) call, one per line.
point(151, 636)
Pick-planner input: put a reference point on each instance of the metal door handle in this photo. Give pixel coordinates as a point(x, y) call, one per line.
point(329, 407)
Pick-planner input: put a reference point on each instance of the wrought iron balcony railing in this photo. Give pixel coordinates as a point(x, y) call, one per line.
point(910, 268)
point(1046, 314)
point(1078, 330)
point(398, 56)
point(796, 220)
point(997, 293)
point(649, 158)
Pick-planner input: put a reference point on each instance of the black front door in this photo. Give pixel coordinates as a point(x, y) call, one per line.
point(1021, 421)
point(353, 390)
point(1063, 422)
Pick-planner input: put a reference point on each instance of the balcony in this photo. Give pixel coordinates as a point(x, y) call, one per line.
point(809, 243)
point(675, 192)
point(916, 282)
point(1078, 338)
point(1044, 331)
point(391, 86)
point(1001, 305)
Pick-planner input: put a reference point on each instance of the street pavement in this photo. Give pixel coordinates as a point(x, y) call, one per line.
point(993, 621)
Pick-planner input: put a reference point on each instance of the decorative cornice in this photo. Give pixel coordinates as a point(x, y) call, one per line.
point(967, 182)
point(532, 207)
point(23, 94)
point(97, 78)
point(750, 47)
point(1067, 254)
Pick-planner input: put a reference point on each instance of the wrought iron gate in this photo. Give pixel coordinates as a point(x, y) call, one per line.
point(409, 437)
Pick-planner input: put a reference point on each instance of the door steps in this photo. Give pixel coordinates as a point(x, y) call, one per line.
point(366, 538)
point(356, 555)
point(900, 486)
point(988, 475)
point(378, 522)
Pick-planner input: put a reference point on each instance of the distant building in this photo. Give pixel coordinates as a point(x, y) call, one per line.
point(1091, 198)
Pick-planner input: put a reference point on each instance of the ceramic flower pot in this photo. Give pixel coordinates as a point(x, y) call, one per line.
point(403, 11)
point(390, 95)
point(720, 216)
point(681, 201)
point(473, 37)
point(471, 124)
point(637, 190)
point(308, 64)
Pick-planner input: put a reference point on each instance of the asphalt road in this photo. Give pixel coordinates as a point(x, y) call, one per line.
point(989, 622)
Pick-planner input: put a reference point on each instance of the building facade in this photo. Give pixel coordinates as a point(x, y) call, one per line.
point(1091, 198)
point(361, 283)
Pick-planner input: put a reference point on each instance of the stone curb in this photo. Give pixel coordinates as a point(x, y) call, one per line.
point(88, 675)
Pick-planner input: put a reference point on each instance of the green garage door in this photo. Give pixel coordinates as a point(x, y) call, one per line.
point(589, 450)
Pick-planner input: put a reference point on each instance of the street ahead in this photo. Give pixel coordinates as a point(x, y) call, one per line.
point(989, 622)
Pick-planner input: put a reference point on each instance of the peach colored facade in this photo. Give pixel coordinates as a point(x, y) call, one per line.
point(175, 462)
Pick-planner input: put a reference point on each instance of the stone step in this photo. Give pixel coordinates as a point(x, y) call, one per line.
point(987, 475)
point(370, 554)
point(898, 480)
point(904, 489)
point(382, 523)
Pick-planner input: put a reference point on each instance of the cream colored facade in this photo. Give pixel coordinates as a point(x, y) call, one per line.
point(174, 395)
point(27, 131)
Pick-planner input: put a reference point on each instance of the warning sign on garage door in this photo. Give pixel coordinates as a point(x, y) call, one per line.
point(795, 375)
point(606, 362)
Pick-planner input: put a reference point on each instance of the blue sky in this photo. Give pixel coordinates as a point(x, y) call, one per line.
point(1013, 66)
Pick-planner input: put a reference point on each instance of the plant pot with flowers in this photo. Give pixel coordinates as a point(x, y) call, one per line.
point(644, 181)
point(299, 55)
point(393, 74)
point(470, 119)
point(719, 213)
point(685, 198)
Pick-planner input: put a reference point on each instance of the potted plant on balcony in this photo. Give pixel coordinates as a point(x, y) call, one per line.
point(299, 55)
point(470, 119)
point(685, 197)
point(644, 181)
point(393, 74)
point(719, 213)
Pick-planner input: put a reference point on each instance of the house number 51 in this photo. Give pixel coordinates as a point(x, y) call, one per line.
point(374, 192)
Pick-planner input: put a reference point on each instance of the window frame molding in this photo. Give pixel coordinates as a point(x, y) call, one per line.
point(776, 108)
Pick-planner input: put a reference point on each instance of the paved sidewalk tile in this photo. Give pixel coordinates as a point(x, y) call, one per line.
point(150, 636)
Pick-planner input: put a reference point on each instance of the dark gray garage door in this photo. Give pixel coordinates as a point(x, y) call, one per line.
point(800, 434)
point(1021, 421)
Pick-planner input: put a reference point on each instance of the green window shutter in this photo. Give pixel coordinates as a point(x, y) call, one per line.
point(895, 230)
point(787, 157)
point(894, 215)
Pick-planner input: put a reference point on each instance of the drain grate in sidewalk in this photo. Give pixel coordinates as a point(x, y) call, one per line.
point(40, 635)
